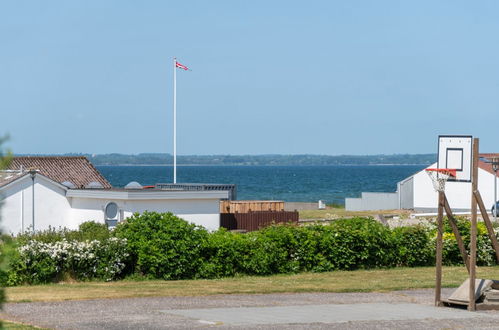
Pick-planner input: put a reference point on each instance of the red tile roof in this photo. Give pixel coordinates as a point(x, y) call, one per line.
point(75, 169)
point(8, 177)
point(489, 156)
point(487, 167)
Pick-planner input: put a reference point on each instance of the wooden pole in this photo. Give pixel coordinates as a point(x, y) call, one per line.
point(473, 230)
point(455, 230)
point(438, 262)
point(488, 224)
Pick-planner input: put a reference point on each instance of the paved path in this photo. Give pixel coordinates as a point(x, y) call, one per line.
point(400, 310)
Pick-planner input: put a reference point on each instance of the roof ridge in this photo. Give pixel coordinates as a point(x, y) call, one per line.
point(37, 156)
point(76, 169)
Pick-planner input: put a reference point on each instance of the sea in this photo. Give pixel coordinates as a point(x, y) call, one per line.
point(331, 184)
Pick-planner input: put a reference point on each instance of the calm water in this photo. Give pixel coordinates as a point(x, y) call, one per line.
point(289, 183)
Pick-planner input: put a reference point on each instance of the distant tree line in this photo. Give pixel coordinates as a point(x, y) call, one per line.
point(284, 160)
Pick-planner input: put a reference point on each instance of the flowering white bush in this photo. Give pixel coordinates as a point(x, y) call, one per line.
point(41, 262)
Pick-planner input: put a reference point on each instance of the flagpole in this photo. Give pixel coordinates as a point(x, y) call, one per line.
point(174, 120)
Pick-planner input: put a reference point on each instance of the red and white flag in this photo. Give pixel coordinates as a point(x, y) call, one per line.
point(181, 66)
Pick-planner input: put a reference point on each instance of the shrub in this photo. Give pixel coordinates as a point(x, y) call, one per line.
point(414, 246)
point(271, 250)
point(87, 231)
point(163, 245)
point(9, 252)
point(153, 245)
point(90, 230)
point(451, 253)
point(355, 243)
point(276, 249)
point(53, 254)
point(50, 235)
point(5, 159)
point(223, 253)
point(38, 262)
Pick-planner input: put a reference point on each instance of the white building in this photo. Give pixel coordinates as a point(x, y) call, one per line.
point(66, 191)
point(416, 192)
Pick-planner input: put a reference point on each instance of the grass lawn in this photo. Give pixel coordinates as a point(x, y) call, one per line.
point(335, 213)
point(339, 281)
point(7, 325)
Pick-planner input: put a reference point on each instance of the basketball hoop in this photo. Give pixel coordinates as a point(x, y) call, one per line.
point(439, 177)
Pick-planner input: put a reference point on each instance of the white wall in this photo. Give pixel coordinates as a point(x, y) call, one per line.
point(371, 201)
point(51, 206)
point(458, 193)
point(486, 187)
point(203, 212)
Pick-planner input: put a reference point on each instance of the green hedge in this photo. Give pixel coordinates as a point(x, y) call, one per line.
point(57, 254)
point(163, 246)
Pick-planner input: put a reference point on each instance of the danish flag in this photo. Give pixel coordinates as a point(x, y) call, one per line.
point(181, 66)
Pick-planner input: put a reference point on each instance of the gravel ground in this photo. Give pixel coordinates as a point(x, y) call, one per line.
point(159, 313)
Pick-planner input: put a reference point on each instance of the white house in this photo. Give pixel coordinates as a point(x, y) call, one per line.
point(66, 191)
point(416, 192)
point(458, 193)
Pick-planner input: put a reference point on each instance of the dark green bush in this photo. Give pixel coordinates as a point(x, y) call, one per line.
point(414, 246)
point(223, 253)
point(163, 245)
point(153, 245)
point(271, 251)
point(355, 243)
point(89, 231)
point(11, 255)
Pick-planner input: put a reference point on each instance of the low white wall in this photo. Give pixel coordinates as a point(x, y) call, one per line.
point(203, 212)
point(353, 204)
point(371, 201)
point(298, 206)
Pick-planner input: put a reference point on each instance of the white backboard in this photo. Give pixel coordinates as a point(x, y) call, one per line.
point(455, 152)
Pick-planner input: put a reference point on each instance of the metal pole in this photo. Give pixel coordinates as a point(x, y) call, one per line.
point(22, 211)
point(174, 120)
point(33, 202)
point(495, 195)
point(22, 204)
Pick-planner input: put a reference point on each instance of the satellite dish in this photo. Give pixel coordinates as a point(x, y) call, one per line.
point(133, 185)
point(94, 185)
point(69, 184)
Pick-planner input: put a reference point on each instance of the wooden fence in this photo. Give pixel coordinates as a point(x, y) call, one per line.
point(251, 221)
point(247, 206)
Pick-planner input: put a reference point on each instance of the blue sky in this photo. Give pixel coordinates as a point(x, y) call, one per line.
point(290, 77)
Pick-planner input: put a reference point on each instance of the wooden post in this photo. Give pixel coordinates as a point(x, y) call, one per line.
point(455, 230)
point(438, 261)
point(474, 187)
point(488, 224)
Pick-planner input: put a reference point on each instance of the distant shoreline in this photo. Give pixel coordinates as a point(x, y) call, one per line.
point(263, 165)
point(256, 160)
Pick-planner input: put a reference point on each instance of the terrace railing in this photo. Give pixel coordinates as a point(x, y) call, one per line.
point(231, 188)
